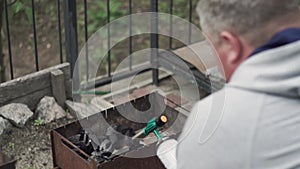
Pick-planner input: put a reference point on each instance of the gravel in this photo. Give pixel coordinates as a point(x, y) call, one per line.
point(31, 145)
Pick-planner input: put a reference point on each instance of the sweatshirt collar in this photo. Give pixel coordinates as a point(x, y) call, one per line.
point(282, 38)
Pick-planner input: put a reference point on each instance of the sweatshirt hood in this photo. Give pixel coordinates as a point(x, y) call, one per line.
point(275, 71)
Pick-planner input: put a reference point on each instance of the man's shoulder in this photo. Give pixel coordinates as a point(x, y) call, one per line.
point(217, 121)
point(228, 110)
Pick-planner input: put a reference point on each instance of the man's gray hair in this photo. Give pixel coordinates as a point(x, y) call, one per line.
point(242, 16)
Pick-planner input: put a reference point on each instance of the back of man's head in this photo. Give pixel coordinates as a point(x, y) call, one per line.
point(256, 20)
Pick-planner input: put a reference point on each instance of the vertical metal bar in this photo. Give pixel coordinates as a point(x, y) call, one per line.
point(59, 32)
point(86, 40)
point(190, 20)
point(108, 37)
point(35, 36)
point(2, 64)
point(171, 25)
point(154, 41)
point(130, 34)
point(8, 40)
point(70, 20)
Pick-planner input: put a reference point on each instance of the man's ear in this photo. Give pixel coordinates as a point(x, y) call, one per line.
point(233, 47)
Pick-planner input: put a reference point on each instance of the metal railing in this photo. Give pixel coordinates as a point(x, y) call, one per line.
point(6, 5)
point(69, 26)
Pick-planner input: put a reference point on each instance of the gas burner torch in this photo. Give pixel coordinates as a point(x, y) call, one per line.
point(152, 126)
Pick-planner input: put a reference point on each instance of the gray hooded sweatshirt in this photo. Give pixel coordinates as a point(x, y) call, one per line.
point(253, 123)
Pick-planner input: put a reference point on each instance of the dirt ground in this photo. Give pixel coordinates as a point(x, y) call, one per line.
point(31, 145)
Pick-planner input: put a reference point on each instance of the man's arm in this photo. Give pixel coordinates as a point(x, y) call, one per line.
point(218, 133)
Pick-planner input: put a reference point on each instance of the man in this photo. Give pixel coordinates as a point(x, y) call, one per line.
point(254, 122)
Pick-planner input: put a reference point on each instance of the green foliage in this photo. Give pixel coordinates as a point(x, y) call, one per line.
point(98, 14)
point(21, 7)
point(180, 7)
point(28, 11)
point(17, 7)
point(38, 122)
point(11, 145)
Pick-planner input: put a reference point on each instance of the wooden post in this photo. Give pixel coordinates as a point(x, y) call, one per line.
point(58, 87)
